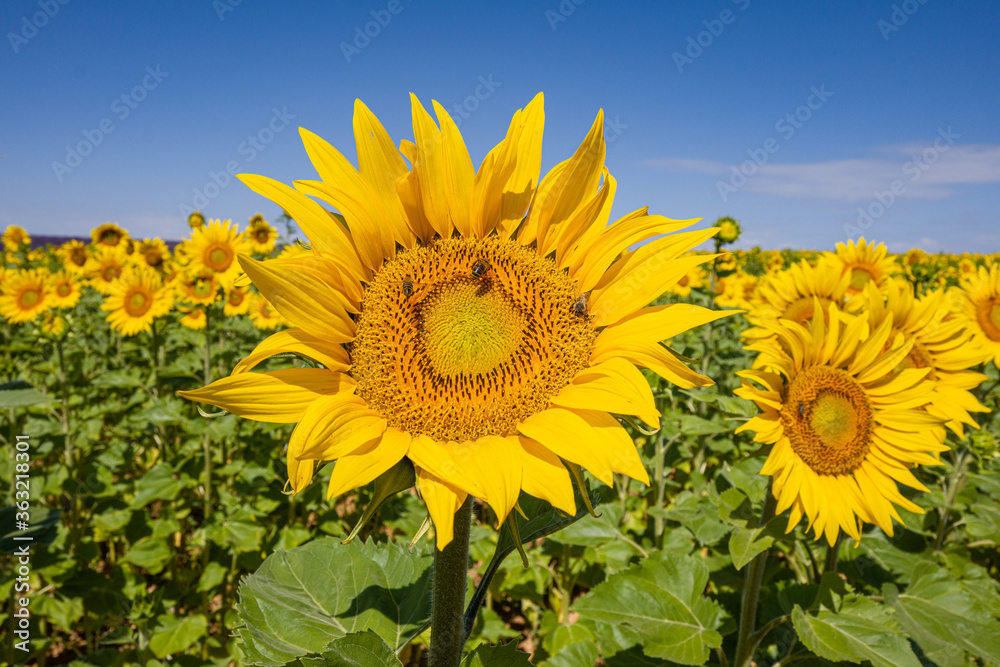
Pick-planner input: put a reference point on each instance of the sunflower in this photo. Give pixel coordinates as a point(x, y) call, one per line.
point(693, 279)
point(201, 289)
point(842, 432)
point(14, 237)
point(73, 255)
point(110, 235)
point(152, 253)
point(735, 290)
point(194, 318)
point(729, 230)
point(24, 294)
point(52, 325)
point(105, 267)
point(237, 302)
point(213, 249)
point(65, 290)
point(261, 235)
point(136, 299)
point(196, 220)
point(484, 341)
point(262, 313)
point(792, 294)
point(864, 263)
point(979, 310)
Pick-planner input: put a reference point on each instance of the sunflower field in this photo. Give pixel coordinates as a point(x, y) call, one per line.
point(470, 422)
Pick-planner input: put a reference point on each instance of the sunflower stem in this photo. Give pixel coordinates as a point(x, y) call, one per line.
point(833, 555)
point(451, 566)
point(745, 646)
point(67, 440)
point(955, 482)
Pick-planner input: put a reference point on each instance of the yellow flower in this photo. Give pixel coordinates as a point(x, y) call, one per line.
point(843, 435)
point(202, 289)
point(262, 313)
point(261, 235)
point(213, 249)
point(110, 235)
point(196, 220)
point(152, 253)
point(693, 279)
point(52, 324)
point(105, 266)
point(864, 262)
point(136, 299)
point(24, 294)
point(979, 310)
point(73, 255)
point(65, 290)
point(792, 294)
point(194, 318)
point(735, 290)
point(14, 237)
point(237, 302)
point(484, 341)
point(729, 230)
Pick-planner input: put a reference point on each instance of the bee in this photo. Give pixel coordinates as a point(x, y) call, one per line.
point(802, 409)
point(407, 286)
point(580, 306)
point(412, 289)
point(480, 268)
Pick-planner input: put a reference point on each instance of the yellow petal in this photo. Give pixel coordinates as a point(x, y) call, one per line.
point(592, 439)
point(331, 355)
point(655, 324)
point(335, 426)
point(544, 476)
point(363, 466)
point(612, 386)
point(279, 397)
point(445, 461)
point(495, 463)
point(303, 300)
point(442, 500)
point(381, 165)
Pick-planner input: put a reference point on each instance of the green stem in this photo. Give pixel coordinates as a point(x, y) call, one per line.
point(451, 568)
point(745, 647)
point(833, 555)
point(68, 443)
point(206, 446)
point(954, 483)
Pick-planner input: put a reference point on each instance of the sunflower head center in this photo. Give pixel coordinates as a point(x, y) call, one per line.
point(110, 272)
point(860, 276)
point(802, 309)
point(137, 303)
point(262, 235)
point(218, 257)
point(64, 289)
point(202, 288)
point(469, 328)
point(989, 318)
point(30, 297)
point(828, 419)
point(236, 297)
point(154, 258)
point(78, 256)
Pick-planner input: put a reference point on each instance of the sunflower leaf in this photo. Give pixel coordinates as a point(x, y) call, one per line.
point(301, 598)
point(660, 605)
point(946, 622)
point(862, 630)
point(358, 649)
point(501, 655)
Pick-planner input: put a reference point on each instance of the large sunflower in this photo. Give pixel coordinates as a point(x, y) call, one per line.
point(213, 249)
point(940, 345)
point(864, 263)
point(24, 294)
point(136, 299)
point(843, 433)
point(485, 340)
point(979, 310)
point(792, 294)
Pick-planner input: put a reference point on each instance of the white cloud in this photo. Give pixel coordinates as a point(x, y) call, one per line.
point(923, 171)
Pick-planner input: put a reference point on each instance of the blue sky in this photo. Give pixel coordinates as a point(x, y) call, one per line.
point(810, 122)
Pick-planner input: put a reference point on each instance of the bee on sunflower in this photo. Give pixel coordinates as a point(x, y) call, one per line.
point(488, 385)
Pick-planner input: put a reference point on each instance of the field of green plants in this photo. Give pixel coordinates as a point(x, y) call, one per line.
point(162, 534)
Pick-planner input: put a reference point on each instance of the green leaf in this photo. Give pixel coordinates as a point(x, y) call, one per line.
point(176, 633)
point(150, 553)
point(660, 601)
point(501, 655)
point(593, 531)
point(42, 528)
point(20, 394)
point(157, 484)
point(943, 619)
point(301, 598)
point(211, 576)
point(358, 649)
point(576, 654)
point(745, 543)
point(861, 631)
